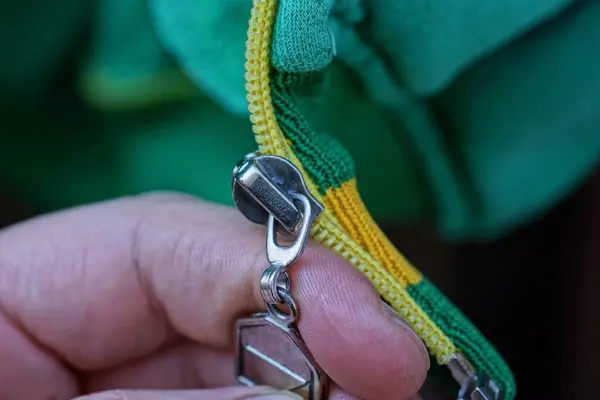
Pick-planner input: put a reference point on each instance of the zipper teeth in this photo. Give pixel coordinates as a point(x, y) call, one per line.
point(267, 132)
point(326, 229)
point(257, 67)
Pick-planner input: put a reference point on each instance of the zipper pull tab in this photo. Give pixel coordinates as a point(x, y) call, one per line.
point(474, 386)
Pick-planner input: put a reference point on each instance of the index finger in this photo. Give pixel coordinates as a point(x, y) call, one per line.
point(108, 283)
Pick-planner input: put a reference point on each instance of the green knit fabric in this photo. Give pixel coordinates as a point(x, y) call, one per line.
point(328, 163)
point(301, 41)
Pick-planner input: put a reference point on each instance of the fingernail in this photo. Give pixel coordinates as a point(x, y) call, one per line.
point(396, 317)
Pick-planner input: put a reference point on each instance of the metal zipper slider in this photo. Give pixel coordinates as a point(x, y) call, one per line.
point(265, 185)
point(270, 351)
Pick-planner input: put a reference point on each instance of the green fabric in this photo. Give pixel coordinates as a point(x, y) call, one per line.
point(525, 124)
point(475, 197)
point(378, 160)
point(350, 10)
point(207, 38)
point(464, 335)
point(505, 131)
point(429, 42)
point(409, 113)
point(301, 41)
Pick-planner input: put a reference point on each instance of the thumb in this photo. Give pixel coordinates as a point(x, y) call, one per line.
point(228, 393)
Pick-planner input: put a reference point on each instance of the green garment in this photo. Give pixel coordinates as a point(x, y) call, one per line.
point(473, 116)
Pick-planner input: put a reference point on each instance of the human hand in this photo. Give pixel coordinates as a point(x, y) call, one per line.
point(142, 293)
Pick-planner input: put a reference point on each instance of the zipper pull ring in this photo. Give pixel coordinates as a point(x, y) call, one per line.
point(275, 290)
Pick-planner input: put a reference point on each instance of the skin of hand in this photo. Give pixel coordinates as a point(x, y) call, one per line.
point(136, 298)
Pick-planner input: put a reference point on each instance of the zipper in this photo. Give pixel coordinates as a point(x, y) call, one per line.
point(326, 228)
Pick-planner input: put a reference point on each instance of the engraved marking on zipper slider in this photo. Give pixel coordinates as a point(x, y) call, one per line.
point(268, 185)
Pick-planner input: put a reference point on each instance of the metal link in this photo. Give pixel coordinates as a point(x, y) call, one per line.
point(285, 319)
point(273, 280)
point(275, 290)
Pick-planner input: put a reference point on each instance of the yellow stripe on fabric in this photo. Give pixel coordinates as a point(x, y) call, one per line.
point(348, 207)
point(326, 228)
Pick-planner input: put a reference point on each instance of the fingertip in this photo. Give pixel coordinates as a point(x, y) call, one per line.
point(396, 319)
point(343, 320)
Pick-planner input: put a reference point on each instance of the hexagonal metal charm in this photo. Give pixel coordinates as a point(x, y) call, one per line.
point(269, 353)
